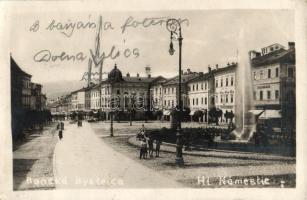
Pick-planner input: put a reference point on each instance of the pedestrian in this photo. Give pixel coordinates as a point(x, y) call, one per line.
point(60, 134)
point(158, 144)
point(62, 125)
point(143, 130)
point(150, 146)
point(143, 148)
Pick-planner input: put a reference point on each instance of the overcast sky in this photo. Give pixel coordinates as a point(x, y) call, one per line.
point(210, 38)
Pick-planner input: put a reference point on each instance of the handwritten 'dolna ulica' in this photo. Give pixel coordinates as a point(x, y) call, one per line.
point(67, 29)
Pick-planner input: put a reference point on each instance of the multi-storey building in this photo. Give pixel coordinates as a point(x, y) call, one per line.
point(199, 93)
point(273, 80)
point(95, 97)
point(170, 91)
point(224, 89)
point(156, 93)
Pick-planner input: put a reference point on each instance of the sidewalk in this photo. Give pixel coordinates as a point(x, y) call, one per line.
point(83, 160)
point(32, 161)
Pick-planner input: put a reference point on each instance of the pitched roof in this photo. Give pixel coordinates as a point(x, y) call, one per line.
point(17, 69)
point(223, 69)
point(201, 77)
point(278, 56)
point(184, 78)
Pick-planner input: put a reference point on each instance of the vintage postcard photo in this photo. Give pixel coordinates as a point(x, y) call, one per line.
point(153, 99)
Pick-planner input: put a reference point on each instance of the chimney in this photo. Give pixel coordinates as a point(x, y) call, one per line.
point(291, 45)
point(253, 54)
point(148, 70)
point(216, 66)
point(228, 64)
point(149, 76)
point(137, 75)
point(189, 71)
point(209, 68)
point(128, 75)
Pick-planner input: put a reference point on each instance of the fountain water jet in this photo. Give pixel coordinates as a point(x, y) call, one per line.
point(245, 120)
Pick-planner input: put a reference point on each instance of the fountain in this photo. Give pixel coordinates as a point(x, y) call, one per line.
point(245, 120)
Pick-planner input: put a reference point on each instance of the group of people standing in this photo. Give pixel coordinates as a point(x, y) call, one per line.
point(147, 144)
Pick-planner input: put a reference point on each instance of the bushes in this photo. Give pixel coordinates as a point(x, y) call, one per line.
point(190, 135)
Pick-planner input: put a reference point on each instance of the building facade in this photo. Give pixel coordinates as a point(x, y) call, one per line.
point(273, 80)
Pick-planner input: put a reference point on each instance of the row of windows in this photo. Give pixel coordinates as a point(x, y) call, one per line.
point(227, 98)
point(169, 103)
point(195, 101)
point(260, 75)
point(268, 95)
point(158, 89)
point(221, 82)
point(170, 90)
point(196, 87)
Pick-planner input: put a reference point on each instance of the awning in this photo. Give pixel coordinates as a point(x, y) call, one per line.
point(192, 112)
point(256, 112)
point(166, 112)
point(270, 114)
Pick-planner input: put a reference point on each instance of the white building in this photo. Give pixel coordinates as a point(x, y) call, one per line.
point(198, 94)
point(224, 89)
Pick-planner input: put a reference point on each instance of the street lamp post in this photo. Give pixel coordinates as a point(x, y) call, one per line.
point(174, 27)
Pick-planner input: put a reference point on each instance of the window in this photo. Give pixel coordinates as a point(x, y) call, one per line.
point(196, 101)
point(221, 99)
point(261, 95)
point(172, 90)
point(205, 86)
point(202, 86)
point(255, 76)
point(231, 82)
point(271, 48)
point(221, 82)
point(261, 74)
point(196, 86)
point(202, 101)
point(276, 72)
point(269, 73)
point(193, 101)
point(193, 87)
point(164, 90)
point(216, 83)
point(226, 81)
point(290, 72)
point(168, 102)
point(164, 102)
point(269, 94)
point(276, 94)
point(206, 100)
point(226, 98)
point(254, 94)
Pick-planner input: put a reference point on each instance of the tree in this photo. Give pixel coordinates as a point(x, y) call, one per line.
point(198, 115)
point(215, 114)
